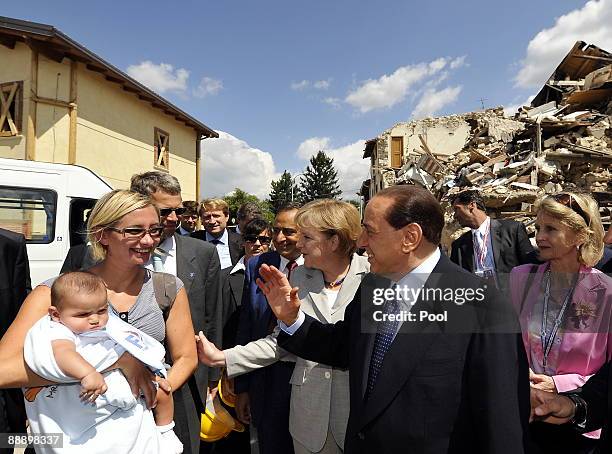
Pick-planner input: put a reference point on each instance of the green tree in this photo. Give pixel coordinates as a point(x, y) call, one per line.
point(239, 197)
point(280, 193)
point(320, 180)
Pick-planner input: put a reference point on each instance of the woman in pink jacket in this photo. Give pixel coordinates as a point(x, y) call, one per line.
point(565, 309)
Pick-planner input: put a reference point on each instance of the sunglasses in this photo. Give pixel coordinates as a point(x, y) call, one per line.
point(254, 238)
point(286, 231)
point(138, 232)
point(166, 211)
point(566, 199)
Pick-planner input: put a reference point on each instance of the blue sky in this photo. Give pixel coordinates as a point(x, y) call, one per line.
point(281, 79)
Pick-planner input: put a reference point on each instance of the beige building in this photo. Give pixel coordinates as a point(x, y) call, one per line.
point(59, 102)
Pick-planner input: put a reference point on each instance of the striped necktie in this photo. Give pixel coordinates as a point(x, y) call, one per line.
point(382, 342)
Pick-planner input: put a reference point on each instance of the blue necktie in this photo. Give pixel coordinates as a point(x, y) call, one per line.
point(158, 263)
point(382, 342)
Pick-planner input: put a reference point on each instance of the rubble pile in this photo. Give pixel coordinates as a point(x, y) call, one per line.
point(563, 141)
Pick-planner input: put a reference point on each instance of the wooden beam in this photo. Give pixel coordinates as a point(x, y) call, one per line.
point(113, 79)
point(72, 132)
point(52, 52)
point(198, 153)
point(31, 128)
point(97, 69)
point(53, 102)
point(130, 89)
point(8, 41)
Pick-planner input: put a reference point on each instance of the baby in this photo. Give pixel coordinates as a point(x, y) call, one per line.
point(79, 309)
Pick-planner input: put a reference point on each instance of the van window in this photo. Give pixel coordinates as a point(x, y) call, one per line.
point(79, 213)
point(29, 211)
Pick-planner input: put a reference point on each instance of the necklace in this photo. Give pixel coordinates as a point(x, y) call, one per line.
point(547, 338)
point(335, 284)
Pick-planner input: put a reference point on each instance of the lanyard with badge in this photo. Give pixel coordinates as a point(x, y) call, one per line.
point(547, 338)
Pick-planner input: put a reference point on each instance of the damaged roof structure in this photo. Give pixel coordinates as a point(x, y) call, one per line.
point(562, 141)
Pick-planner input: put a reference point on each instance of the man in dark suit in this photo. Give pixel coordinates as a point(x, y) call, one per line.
point(450, 378)
point(196, 263)
point(492, 247)
point(14, 287)
point(215, 214)
point(189, 219)
point(267, 391)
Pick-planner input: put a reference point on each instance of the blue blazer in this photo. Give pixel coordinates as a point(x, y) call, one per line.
point(254, 323)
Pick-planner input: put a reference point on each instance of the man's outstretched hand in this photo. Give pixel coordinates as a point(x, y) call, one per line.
point(550, 407)
point(208, 353)
point(283, 299)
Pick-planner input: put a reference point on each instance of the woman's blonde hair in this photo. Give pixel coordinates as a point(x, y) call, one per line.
point(580, 213)
point(108, 211)
point(333, 217)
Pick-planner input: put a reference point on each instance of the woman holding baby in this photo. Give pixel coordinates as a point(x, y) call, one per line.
point(123, 229)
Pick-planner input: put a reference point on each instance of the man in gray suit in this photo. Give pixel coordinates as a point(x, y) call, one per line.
point(196, 263)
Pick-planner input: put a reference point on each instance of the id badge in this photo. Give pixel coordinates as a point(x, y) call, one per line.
point(489, 275)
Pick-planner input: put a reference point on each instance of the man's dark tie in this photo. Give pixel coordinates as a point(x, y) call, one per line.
point(290, 267)
point(215, 241)
point(384, 337)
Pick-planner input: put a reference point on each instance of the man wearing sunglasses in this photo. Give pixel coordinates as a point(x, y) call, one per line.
point(196, 263)
point(215, 214)
point(263, 395)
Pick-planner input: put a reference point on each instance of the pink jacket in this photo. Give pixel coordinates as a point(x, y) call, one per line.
point(581, 354)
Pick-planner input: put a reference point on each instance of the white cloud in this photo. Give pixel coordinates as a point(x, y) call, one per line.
point(160, 78)
point(299, 86)
point(229, 162)
point(208, 86)
point(322, 84)
point(510, 110)
point(311, 146)
point(592, 23)
point(389, 90)
point(434, 100)
point(334, 102)
point(458, 62)
point(352, 169)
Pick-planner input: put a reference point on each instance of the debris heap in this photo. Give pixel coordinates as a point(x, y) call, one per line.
point(563, 141)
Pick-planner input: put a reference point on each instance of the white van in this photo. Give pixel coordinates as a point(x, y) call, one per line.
point(48, 204)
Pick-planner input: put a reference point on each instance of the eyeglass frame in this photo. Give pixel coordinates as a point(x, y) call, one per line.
point(254, 238)
point(575, 207)
point(179, 211)
point(141, 235)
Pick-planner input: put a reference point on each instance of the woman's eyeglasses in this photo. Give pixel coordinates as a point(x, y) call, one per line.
point(566, 199)
point(138, 232)
point(254, 238)
point(166, 211)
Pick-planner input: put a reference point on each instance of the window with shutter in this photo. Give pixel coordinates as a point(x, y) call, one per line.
point(11, 101)
point(161, 149)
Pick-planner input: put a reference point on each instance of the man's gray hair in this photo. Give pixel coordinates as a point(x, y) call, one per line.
point(150, 182)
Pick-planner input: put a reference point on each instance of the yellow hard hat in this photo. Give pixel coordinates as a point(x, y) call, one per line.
point(226, 390)
point(216, 423)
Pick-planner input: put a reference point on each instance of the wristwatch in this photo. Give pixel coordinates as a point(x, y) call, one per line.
point(580, 411)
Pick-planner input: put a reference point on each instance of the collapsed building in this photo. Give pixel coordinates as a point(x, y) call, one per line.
point(562, 141)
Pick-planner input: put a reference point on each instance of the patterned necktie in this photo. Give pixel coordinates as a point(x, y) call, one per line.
point(290, 267)
point(384, 337)
point(158, 263)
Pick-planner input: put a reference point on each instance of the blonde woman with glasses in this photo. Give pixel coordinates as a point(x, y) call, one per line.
point(124, 229)
point(565, 309)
